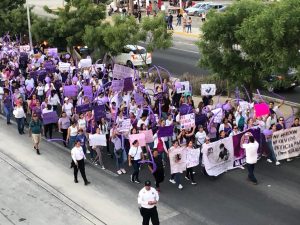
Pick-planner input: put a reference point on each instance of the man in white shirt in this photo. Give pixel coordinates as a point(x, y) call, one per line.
point(251, 156)
point(78, 158)
point(148, 198)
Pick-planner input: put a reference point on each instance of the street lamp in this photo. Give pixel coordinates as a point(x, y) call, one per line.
point(29, 25)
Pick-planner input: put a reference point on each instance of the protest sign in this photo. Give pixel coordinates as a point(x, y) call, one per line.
point(148, 135)
point(99, 112)
point(261, 109)
point(85, 63)
point(122, 72)
point(192, 157)
point(83, 108)
point(177, 157)
point(52, 52)
point(239, 152)
point(70, 91)
point(50, 117)
point(183, 87)
point(187, 121)
point(286, 143)
point(97, 140)
point(88, 91)
point(166, 131)
point(208, 89)
point(244, 106)
point(64, 66)
point(128, 84)
point(218, 157)
point(185, 109)
point(24, 48)
point(124, 126)
point(139, 99)
point(140, 137)
point(218, 115)
point(117, 85)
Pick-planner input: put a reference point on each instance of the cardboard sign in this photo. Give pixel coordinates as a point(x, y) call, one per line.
point(148, 135)
point(64, 66)
point(24, 48)
point(83, 108)
point(122, 72)
point(124, 126)
point(192, 157)
point(187, 121)
point(88, 91)
point(50, 117)
point(218, 115)
point(208, 89)
point(128, 84)
point(140, 137)
point(166, 131)
point(97, 140)
point(117, 85)
point(183, 87)
point(70, 91)
point(85, 63)
point(177, 157)
point(261, 109)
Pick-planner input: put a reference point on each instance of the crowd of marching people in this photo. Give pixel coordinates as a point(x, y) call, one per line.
point(32, 86)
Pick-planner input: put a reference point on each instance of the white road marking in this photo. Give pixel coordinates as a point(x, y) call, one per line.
point(184, 50)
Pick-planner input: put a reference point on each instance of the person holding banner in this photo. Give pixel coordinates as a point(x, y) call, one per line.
point(251, 155)
point(175, 176)
point(268, 136)
point(97, 148)
point(189, 175)
point(135, 155)
point(118, 150)
point(48, 128)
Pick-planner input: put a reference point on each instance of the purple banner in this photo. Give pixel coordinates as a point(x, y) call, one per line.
point(239, 152)
point(88, 91)
point(185, 109)
point(83, 108)
point(128, 84)
point(166, 131)
point(99, 112)
point(50, 117)
point(139, 99)
point(70, 91)
point(117, 85)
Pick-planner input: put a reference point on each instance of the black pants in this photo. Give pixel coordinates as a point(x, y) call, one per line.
point(136, 170)
point(48, 129)
point(251, 173)
point(159, 176)
point(150, 214)
point(64, 136)
point(189, 174)
point(81, 169)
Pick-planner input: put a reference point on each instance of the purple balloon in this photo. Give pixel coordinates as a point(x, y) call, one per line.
point(74, 79)
point(47, 79)
point(227, 107)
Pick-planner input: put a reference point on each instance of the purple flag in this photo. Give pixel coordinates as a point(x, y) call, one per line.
point(99, 112)
point(88, 91)
point(50, 117)
point(117, 85)
point(185, 109)
point(139, 99)
point(83, 108)
point(70, 91)
point(128, 84)
point(41, 75)
point(165, 131)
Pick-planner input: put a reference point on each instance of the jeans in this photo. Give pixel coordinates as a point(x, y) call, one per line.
point(178, 22)
point(189, 174)
point(251, 173)
point(8, 112)
point(20, 122)
point(176, 177)
point(189, 28)
point(136, 170)
point(72, 141)
point(119, 162)
point(271, 154)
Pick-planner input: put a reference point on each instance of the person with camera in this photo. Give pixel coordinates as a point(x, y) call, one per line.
point(135, 155)
point(148, 198)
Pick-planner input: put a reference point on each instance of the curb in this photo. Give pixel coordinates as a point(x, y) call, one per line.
point(186, 34)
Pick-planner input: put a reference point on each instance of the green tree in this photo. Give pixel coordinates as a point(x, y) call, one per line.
point(68, 25)
point(220, 46)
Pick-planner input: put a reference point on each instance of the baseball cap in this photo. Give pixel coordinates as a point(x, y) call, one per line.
point(147, 183)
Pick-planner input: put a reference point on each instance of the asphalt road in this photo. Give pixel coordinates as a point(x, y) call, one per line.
point(227, 200)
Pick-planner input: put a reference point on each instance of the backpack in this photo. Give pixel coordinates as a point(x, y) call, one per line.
point(241, 123)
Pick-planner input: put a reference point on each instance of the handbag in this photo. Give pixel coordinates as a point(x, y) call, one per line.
point(119, 153)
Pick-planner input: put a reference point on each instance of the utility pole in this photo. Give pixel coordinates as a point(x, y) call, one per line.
point(29, 25)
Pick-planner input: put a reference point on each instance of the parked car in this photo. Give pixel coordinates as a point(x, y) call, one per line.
point(192, 11)
point(134, 55)
point(210, 6)
point(277, 82)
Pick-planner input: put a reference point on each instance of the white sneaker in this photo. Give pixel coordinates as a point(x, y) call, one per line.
point(288, 160)
point(269, 160)
point(119, 172)
point(123, 171)
point(277, 163)
point(96, 164)
point(102, 167)
point(242, 168)
point(180, 186)
point(187, 178)
point(193, 183)
point(172, 181)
